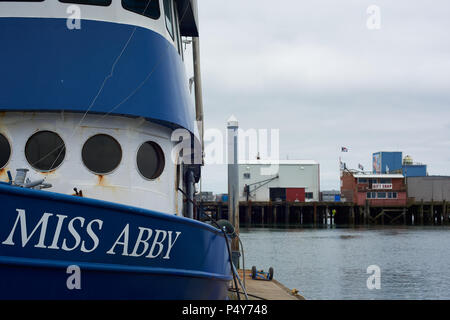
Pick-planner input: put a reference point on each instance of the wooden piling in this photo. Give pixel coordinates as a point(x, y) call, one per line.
point(445, 212)
point(275, 214)
point(421, 213)
point(315, 214)
point(249, 213)
point(287, 213)
point(432, 212)
point(262, 216)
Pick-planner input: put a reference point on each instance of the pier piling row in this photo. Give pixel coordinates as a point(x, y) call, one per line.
point(270, 214)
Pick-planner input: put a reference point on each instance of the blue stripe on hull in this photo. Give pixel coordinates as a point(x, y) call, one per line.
point(47, 67)
point(196, 266)
point(25, 283)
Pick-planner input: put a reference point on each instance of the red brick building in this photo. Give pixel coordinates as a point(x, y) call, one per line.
point(380, 190)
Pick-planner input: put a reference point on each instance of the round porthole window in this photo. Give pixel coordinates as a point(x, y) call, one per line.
point(45, 150)
point(101, 154)
point(150, 160)
point(5, 151)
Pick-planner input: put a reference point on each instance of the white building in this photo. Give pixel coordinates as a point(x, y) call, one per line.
point(292, 180)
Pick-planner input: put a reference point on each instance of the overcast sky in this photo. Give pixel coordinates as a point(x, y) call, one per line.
point(316, 72)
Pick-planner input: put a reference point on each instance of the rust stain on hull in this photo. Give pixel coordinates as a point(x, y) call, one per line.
point(101, 180)
point(48, 173)
point(4, 175)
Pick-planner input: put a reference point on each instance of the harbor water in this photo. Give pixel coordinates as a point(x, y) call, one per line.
point(332, 263)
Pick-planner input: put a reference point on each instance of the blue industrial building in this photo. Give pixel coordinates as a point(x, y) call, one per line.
point(392, 162)
point(387, 162)
point(414, 170)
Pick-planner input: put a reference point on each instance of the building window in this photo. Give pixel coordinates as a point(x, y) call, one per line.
point(169, 16)
point(150, 160)
point(246, 175)
point(381, 195)
point(309, 195)
point(5, 151)
point(362, 180)
point(148, 8)
point(45, 151)
point(392, 195)
point(104, 3)
point(371, 195)
point(101, 154)
point(385, 181)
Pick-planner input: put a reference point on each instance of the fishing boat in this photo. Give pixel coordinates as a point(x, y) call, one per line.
point(95, 202)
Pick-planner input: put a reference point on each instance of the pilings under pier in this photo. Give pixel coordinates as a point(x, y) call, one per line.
point(273, 214)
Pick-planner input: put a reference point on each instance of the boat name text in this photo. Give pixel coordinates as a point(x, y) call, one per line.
point(84, 236)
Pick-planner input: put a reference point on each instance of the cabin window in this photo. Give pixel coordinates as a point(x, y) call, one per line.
point(101, 154)
point(5, 151)
point(148, 8)
point(177, 31)
point(104, 3)
point(45, 150)
point(150, 160)
point(309, 195)
point(168, 13)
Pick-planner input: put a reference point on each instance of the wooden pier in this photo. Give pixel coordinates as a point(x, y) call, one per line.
point(267, 290)
point(273, 214)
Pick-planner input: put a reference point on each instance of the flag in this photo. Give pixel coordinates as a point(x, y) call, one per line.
point(344, 149)
point(360, 166)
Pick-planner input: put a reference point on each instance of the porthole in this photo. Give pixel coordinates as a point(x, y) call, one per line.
point(101, 154)
point(45, 150)
point(150, 160)
point(5, 151)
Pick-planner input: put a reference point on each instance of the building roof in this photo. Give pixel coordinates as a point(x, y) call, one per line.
point(392, 176)
point(280, 162)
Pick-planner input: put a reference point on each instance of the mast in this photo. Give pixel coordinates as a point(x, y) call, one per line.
point(198, 80)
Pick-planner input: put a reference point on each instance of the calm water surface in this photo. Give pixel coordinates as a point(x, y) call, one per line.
point(332, 263)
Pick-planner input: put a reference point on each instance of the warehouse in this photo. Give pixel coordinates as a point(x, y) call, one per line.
point(284, 180)
point(430, 188)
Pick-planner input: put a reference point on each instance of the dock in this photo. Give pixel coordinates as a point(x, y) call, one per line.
point(280, 214)
point(267, 290)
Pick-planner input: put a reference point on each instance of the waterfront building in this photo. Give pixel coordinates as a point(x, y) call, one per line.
point(429, 189)
point(283, 180)
point(330, 196)
point(373, 189)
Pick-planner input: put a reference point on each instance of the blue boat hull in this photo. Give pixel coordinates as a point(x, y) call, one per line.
point(119, 252)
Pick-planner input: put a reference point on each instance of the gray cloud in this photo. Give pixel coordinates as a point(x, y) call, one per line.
point(314, 70)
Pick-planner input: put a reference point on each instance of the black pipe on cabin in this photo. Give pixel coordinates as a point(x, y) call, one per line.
point(190, 190)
